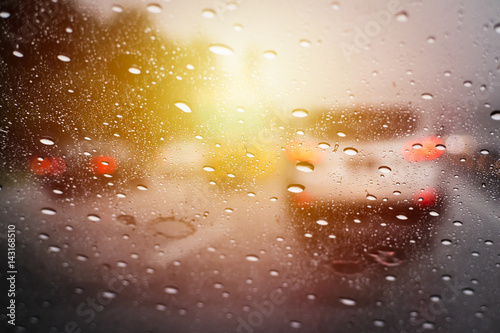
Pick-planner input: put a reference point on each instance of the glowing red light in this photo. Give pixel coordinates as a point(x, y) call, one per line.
point(300, 151)
point(425, 149)
point(103, 165)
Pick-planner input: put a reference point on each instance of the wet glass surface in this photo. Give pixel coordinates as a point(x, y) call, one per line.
point(250, 166)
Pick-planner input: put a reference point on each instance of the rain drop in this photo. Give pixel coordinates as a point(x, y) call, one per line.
point(350, 151)
point(305, 166)
point(252, 258)
point(402, 16)
point(427, 96)
point(48, 211)
point(299, 113)
point(495, 115)
point(93, 217)
point(171, 290)
point(296, 188)
point(221, 49)
point(347, 301)
point(183, 107)
point(270, 55)
point(208, 168)
point(154, 8)
point(322, 222)
point(134, 70)
point(17, 54)
point(63, 58)
point(142, 187)
point(446, 242)
point(402, 217)
point(47, 141)
point(208, 13)
point(384, 169)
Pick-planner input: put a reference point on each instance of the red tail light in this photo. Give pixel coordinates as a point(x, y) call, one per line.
point(40, 165)
point(426, 149)
point(103, 165)
point(426, 197)
point(303, 199)
point(300, 151)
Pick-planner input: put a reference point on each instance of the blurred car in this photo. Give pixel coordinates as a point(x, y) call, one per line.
point(84, 167)
point(366, 156)
point(363, 185)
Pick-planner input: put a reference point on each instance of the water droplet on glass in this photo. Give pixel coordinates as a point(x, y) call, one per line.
point(172, 228)
point(433, 213)
point(171, 290)
point(402, 217)
point(17, 54)
point(371, 197)
point(322, 222)
point(305, 43)
point(497, 28)
point(274, 273)
point(341, 134)
point(48, 211)
point(252, 258)
point(305, 166)
point(417, 146)
point(347, 301)
point(323, 145)
point(295, 324)
point(296, 188)
point(117, 8)
point(94, 217)
point(43, 236)
point(134, 70)
point(390, 278)
point(467, 84)
point(350, 151)
point(446, 242)
point(427, 96)
point(63, 58)
point(208, 168)
point(54, 249)
point(379, 323)
point(154, 8)
point(47, 141)
point(468, 291)
point(270, 55)
point(142, 187)
point(221, 49)
point(4, 14)
point(495, 115)
point(402, 16)
point(208, 13)
point(183, 107)
point(160, 307)
point(384, 169)
point(299, 113)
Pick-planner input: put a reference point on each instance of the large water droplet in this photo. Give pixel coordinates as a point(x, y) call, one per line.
point(347, 301)
point(296, 188)
point(47, 141)
point(252, 258)
point(94, 217)
point(384, 169)
point(17, 54)
point(171, 290)
point(270, 55)
point(221, 49)
point(495, 115)
point(134, 70)
point(48, 211)
point(350, 151)
point(300, 113)
point(63, 58)
point(209, 168)
point(208, 13)
point(497, 28)
point(183, 107)
point(427, 96)
point(154, 8)
point(305, 166)
point(322, 222)
point(402, 16)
